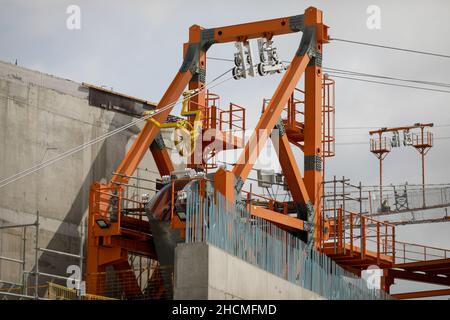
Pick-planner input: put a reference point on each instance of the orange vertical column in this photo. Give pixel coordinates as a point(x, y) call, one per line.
point(224, 182)
point(198, 100)
point(313, 124)
point(95, 277)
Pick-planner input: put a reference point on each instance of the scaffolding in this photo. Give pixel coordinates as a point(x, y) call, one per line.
point(22, 290)
point(354, 218)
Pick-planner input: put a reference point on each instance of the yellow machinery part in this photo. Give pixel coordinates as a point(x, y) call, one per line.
point(186, 127)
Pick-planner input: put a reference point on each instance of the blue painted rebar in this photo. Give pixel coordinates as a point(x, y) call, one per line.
point(212, 219)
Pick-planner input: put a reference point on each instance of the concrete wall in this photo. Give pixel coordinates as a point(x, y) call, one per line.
point(203, 271)
point(42, 116)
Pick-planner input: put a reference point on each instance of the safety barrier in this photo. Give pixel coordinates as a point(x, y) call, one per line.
point(146, 283)
point(398, 199)
point(58, 292)
point(410, 252)
point(354, 232)
point(413, 200)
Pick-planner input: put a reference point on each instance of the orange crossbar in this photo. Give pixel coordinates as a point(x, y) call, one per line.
point(278, 218)
point(422, 294)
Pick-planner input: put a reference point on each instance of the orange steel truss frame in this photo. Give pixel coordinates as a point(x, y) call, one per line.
point(307, 191)
point(110, 246)
point(113, 234)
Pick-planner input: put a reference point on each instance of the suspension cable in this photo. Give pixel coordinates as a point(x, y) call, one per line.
point(391, 48)
point(42, 165)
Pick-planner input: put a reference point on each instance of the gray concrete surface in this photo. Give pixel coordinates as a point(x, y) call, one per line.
point(203, 271)
point(42, 116)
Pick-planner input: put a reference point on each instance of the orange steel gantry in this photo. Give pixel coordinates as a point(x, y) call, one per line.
point(109, 242)
point(113, 234)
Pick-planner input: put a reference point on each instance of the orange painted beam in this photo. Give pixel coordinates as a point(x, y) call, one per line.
point(421, 294)
point(270, 117)
point(149, 132)
point(419, 125)
point(278, 218)
point(162, 160)
point(252, 30)
point(225, 139)
point(289, 165)
point(142, 248)
point(224, 184)
point(419, 277)
point(135, 224)
point(425, 265)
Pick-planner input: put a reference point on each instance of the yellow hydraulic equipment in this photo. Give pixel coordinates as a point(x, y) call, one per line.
point(186, 132)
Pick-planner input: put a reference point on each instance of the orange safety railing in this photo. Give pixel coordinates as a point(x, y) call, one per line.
point(328, 116)
point(227, 120)
point(363, 235)
point(107, 202)
point(212, 103)
point(155, 282)
point(420, 141)
point(233, 119)
point(272, 204)
point(410, 252)
point(378, 145)
point(210, 121)
point(293, 114)
point(230, 121)
point(110, 204)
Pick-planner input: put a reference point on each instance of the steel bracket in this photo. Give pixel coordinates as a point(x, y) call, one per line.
point(158, 142)
point(297, 23)
point(280, 127)
point(313, 162)
point(238, 184)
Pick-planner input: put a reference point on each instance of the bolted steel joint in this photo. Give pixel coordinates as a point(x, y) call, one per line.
point(238, 184)
point(190, 62)
point(308, 42)
point(305, 211)
point(207, 39)
point(200, 76)
point(280, 127)
point(313, 162)
point(297, 23)
point(158, 142)
point(309, 227)
point(310, 210)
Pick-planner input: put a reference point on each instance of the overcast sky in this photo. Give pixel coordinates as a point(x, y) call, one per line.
point(136, 48)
